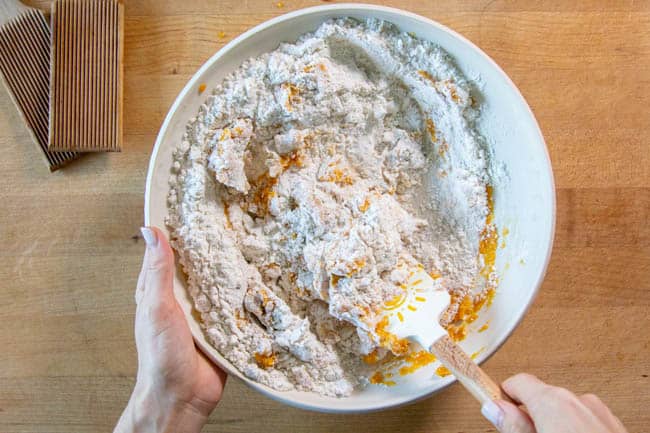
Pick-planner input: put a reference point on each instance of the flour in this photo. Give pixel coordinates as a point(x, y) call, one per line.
point(308, 177)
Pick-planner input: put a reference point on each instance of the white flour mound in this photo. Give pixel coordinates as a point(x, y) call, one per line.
point(309, 175)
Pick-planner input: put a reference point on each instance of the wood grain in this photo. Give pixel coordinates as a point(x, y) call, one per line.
point(71, 250)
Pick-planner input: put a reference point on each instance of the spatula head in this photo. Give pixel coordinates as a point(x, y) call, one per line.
point(415, 313)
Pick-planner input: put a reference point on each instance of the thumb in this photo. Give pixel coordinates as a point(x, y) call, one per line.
point(158, 268)
point(507, 417)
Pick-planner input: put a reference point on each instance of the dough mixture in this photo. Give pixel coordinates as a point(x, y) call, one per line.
point(307, 178)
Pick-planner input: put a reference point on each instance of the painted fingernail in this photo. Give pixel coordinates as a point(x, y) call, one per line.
point(493, 413)
point(149, 236)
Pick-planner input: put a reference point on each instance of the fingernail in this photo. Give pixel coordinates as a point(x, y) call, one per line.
point(149, 236)
point(493, 413)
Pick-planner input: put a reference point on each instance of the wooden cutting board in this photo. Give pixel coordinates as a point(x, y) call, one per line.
point(71, 249)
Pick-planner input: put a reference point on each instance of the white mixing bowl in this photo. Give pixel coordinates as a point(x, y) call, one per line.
point(524, 202)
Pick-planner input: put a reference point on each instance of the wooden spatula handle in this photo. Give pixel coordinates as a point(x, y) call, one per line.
point(466, 371)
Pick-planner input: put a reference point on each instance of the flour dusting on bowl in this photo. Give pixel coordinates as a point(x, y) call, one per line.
point(305, 182)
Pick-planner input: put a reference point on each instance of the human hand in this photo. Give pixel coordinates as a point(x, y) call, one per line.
point(177, 386)
point(549, 409)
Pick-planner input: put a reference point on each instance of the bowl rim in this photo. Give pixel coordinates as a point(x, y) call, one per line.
point(359, 8)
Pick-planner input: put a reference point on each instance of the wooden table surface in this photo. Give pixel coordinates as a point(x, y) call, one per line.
point(71, 247)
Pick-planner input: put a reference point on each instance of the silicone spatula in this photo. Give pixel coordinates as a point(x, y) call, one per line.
point(416, 317)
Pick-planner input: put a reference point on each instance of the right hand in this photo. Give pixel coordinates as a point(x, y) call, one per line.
point(549, 409)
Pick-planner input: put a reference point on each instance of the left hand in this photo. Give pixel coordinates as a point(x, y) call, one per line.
point(177, 387)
